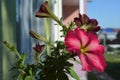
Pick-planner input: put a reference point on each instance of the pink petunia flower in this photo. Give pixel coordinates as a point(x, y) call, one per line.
point(86, 46)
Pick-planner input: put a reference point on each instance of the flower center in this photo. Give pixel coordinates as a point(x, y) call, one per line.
point(83, 50)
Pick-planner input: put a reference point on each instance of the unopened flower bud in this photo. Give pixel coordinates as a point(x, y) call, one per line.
point(45, 12)
point(38, 48)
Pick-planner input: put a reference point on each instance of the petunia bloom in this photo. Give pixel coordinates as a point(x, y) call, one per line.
point(87, 24)
point(86, 46)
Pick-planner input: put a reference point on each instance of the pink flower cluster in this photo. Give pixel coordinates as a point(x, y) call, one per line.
point(84, 42)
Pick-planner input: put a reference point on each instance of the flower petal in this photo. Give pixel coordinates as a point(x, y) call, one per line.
point(72, 42)
point(93, 22)
point(93, 41)
point(78, 21)
point(98, 49)
point(97, 60)
point(82, 36)
point(85, 19)
point(86, 65)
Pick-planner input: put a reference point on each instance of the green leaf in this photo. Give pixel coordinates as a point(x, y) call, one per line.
point(72, 73)
point(29, 78)
point(30, 71)
point(12, 48)
point(20, 77)
point(71, 26)
point(23, 55)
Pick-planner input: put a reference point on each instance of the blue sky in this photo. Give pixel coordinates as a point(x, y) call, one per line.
point(107, 12)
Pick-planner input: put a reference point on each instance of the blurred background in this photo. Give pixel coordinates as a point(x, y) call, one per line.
point(107, 13)
point(17, 18)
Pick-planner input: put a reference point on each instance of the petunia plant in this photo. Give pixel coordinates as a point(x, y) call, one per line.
point(80, 40)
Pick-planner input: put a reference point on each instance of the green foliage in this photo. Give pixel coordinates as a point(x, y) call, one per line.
point(54, 67)
point(73, 73)
point(29, 78)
